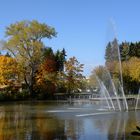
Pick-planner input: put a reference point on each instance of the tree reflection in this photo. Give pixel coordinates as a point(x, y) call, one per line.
point(26, 122)
point(117, 126)
point(29, 122)
point(122, 125)
point(20, 122)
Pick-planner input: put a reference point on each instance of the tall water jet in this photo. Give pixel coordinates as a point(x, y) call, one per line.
point(114, 89)
point(126, 105)
point(104, 79)
point(103, 93)
point(102, 90)
point(121, 78)
point(115, 92)
point(137, 101)
point(114, 65)
point(108, 96)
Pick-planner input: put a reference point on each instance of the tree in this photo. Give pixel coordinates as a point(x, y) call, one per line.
point(92, 81)
point(50, 72)
point(25, 43)
point(73, 74)
point(103, 74)
point(60, 58)
point(131, 75)
point(111, 53)
point(8, 70)
point(108, 52)
point(46, 75)
point(134, 68)
point(129, 49)
point(112, 56)
point(125, 51)
point(130, 54)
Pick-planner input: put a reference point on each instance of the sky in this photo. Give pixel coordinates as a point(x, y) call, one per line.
point(83, 26)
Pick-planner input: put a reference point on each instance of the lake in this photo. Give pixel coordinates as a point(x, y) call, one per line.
point(65, 121)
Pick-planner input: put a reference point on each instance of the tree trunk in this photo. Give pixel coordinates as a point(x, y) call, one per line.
point(30, 85)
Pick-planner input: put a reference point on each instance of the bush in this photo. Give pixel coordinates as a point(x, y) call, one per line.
point(5, 95)
point(8, 95)
point(2, 96)
point(24, 94)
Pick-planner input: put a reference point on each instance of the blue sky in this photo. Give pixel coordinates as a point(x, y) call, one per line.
point(83, 26)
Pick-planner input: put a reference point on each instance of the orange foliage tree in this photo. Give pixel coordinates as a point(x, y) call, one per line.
point(46, 75)
point(8, 70)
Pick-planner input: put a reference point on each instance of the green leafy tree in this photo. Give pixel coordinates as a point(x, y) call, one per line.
point(73, 74)
point(24, 42)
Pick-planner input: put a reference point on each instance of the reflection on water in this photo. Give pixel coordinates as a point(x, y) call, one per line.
point(25, 121)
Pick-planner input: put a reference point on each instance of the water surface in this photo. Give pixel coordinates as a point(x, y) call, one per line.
point(64, 121)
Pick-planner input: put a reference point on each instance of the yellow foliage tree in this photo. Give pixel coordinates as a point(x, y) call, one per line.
point(132, 68)
point(8, 69)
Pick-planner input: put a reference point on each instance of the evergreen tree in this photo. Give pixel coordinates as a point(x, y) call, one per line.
point(60, 57)
point(108, 52)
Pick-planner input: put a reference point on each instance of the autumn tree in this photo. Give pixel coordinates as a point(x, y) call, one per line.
point(24, 42)
point(134, 68)
point(131, 75)
point(46, 75)
point(130, 56)
point(50, 71)
point(8, 70)
point(73, 74)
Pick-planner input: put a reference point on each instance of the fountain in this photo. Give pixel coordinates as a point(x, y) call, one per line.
point(138, 97)
point(109, 110)
point(104, 93)
point(108, 89)
point(121, 78)
point(108, 96)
